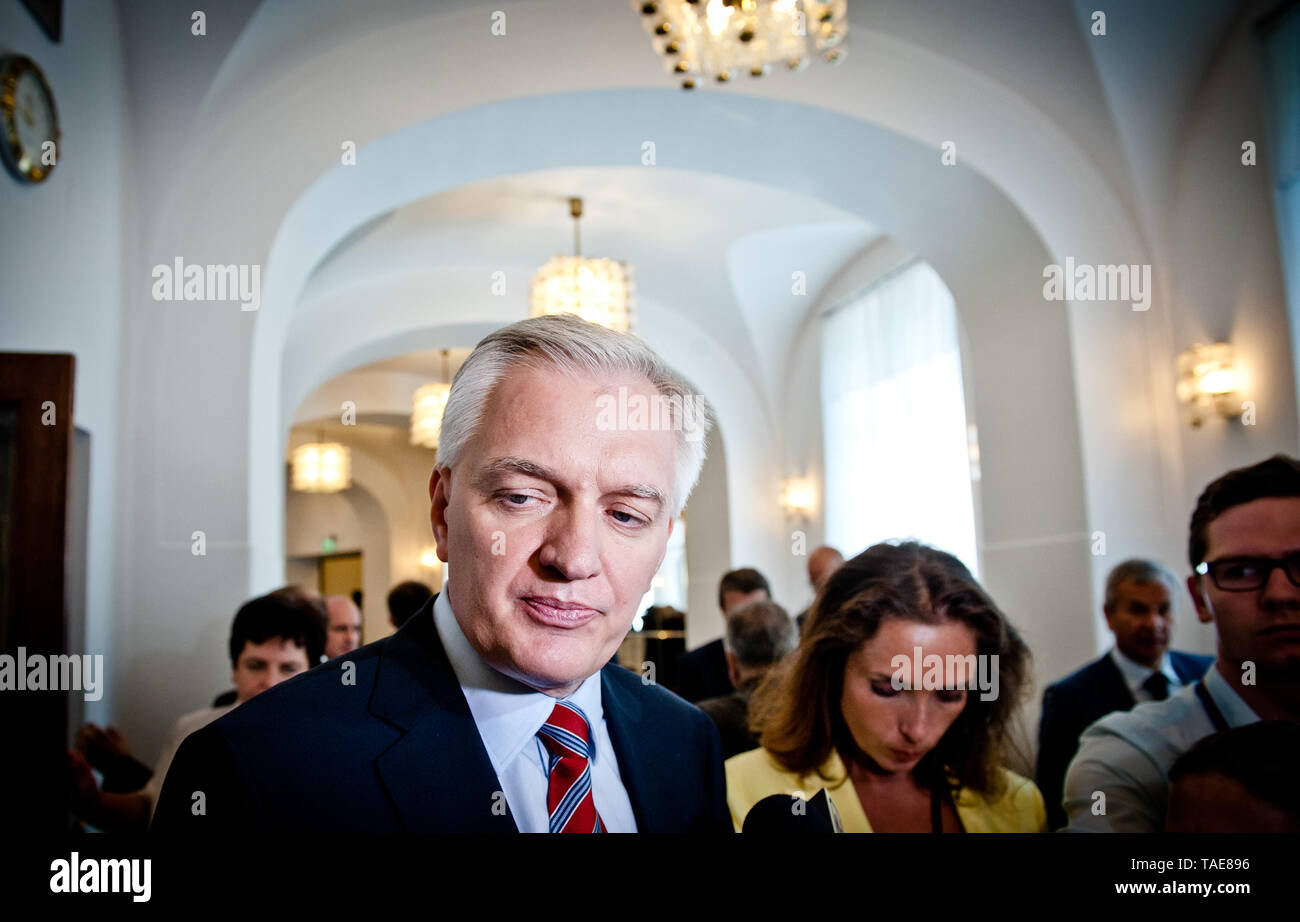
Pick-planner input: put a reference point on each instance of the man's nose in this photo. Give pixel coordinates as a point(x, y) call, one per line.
point(572, 545)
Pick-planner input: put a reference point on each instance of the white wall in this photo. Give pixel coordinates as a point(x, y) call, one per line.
point(62, 278)
point(708, 545)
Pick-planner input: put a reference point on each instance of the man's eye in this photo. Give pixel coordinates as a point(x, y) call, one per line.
point(626, 518)
point(1238, 569)
point(884, 689)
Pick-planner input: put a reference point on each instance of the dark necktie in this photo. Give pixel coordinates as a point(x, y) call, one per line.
point(569, 799)
point(1157, 686)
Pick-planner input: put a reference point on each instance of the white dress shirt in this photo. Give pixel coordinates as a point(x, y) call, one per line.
point(1127, 756)
point(508, 715)
point(1135, 674)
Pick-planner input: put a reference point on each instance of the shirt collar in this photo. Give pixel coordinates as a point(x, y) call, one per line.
point(1235, 710)
point(507, 712)
point(1135, 673)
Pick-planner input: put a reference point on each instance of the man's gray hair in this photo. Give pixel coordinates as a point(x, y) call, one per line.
point(577, 347)
point(760, 634)
point(1138, 571)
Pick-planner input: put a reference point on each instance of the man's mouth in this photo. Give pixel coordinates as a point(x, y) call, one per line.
point(560, 613)
point(1285, 630)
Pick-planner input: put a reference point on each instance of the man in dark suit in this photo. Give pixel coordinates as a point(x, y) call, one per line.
point(759, 635)
point(494, 708)
point(702, 673)
point(1140, 667)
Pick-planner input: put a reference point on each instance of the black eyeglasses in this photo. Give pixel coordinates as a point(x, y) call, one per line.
point(1242, 574)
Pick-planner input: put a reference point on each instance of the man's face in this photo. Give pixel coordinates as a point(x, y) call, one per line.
point(734, 598)
point(262, 665)
point(1261, 626)
point(1141, 619)
point(553, 526)
point(343, 634)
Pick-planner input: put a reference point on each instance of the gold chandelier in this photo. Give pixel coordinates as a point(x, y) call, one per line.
point(321, 467)
point(723, 38)
point(428, 405)
point(598, 290)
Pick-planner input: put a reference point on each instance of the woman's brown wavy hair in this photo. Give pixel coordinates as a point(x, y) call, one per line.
point(796, 710)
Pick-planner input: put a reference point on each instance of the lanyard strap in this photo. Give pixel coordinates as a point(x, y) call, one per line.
point(1212, 709)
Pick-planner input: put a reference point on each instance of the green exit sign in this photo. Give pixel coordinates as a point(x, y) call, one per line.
point(329, 545)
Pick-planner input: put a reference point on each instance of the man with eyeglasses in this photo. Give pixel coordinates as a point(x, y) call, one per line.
point(1244, 549)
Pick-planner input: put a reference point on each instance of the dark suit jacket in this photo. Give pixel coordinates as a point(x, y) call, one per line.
point(1075, 702)
point(730, 713)
point(398, 751)
point(702, 672)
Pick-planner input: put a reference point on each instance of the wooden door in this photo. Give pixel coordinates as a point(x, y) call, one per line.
point(36, 438)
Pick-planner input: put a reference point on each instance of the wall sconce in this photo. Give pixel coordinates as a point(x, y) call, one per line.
point(798, 497)
point(429, 558)
point(1207, 382)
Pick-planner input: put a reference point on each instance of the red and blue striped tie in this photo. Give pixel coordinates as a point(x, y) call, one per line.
point(569, 799)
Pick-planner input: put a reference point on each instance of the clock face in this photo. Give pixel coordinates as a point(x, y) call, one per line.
point(28, 119)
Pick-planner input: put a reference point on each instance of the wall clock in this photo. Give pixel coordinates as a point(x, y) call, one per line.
point(29, 122)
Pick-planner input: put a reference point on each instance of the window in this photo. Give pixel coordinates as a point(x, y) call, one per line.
point(898, 453)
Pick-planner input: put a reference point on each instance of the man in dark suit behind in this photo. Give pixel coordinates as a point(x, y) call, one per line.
point(702, 672)
point(1140, 667)
point(759, 635)
point(494, 709)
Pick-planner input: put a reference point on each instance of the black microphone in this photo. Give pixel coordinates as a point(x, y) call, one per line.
point(789, 813)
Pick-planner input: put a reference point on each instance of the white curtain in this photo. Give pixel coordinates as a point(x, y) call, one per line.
point(898, 456)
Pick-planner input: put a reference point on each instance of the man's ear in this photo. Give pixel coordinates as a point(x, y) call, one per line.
point(733, 669)
point(1196, 589)
point(439, 488)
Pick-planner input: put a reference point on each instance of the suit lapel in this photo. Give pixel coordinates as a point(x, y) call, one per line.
point(1115, 691)
point(632, 748)
point(438, 773)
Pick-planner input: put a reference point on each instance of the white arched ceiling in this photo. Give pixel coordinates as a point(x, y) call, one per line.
point(948, 215)
point(265, 177)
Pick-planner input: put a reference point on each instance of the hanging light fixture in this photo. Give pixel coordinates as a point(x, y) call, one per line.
point(321, 467)
point(427, 408)
point(599, 290)
point(720, 39)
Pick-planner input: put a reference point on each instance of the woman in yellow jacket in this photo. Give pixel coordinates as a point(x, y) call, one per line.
point(897, 702)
